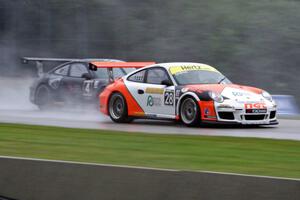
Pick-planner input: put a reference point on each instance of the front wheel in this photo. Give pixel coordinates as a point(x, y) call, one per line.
point(117, 108)
point(190, 112)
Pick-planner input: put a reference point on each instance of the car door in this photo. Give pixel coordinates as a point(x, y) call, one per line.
point(73, 83)
point(56, 83)
point(155, 98)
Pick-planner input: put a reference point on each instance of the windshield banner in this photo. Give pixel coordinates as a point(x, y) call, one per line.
point(178, 69)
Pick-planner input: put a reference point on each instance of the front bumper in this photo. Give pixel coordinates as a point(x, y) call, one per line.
point(208, 122)
point(238, 114)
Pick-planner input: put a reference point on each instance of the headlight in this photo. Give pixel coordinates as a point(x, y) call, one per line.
point(216, 97)
point(267, 95)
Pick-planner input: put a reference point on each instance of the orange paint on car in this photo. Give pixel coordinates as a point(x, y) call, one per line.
point(133, 107)
point(207, 110)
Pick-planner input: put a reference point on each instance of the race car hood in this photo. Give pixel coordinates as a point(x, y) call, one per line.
point(230, 91)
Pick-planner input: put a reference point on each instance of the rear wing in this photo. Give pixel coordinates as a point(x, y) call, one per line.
point(25, 60)
point(121, 64)
point(110, 65)
point(97, 64)
point(39, 61)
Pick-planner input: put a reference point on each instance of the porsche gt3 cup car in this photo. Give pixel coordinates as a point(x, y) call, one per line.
point(192, 92)
point(76, 80)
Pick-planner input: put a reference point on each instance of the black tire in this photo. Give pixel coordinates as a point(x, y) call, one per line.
point(190, 112)
point(43, 98)
point(117, 109)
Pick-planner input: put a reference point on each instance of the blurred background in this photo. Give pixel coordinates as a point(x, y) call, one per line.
point(253, 42)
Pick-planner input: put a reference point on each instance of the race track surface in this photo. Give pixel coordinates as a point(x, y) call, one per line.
point(287, 129)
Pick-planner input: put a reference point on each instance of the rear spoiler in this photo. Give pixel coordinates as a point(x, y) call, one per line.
point(110, 65)
point(39, 61)
point(25, 60)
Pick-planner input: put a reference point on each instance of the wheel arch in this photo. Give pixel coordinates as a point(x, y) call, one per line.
point(114, 92)
point(42, 84)
point(184, 96)
point(134, 109)
point(124, 118)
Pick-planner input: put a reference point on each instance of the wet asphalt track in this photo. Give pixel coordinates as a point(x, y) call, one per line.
point(287, 129)
point(15, 108)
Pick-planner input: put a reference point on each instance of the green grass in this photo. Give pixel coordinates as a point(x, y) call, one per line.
point(224, 154)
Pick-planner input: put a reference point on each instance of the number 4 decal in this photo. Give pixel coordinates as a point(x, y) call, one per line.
point(87, 88)
point(169, 98)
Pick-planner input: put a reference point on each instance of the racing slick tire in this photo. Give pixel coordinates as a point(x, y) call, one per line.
point(190, 112)
point(43, 97)
point(117, 109)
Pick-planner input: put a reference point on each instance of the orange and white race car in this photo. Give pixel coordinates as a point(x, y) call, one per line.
point(191, 92)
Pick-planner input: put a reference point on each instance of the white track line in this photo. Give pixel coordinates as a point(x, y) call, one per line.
point(146, 168)
point(84, 163)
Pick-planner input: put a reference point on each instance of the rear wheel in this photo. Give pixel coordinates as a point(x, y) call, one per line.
point(190, 112)
point(43, 97)
point(117, 109)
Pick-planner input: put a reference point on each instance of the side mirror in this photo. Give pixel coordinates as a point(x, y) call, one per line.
point(92, 67)
point(167, 82)
point(86, 76)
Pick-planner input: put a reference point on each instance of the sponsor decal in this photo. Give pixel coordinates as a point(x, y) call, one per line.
point(139, 78)
point(255, 106)
point(178, 69)
point(207, 114)
point(151, 115)
point(206, 111)
point(154, 90)
point(153, 101)
point(96, 83)
point(177, 93)
point(210, 117)
point(169, 98)
point(87, 88)
point(237, 94)
point(150, 101)
point(257, 111)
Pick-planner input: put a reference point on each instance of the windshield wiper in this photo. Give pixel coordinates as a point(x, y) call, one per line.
point(222, 79)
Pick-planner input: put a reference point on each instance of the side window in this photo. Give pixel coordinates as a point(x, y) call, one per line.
point(138, 77)
point(156, 76)
point(117, 72)
point(102, 74)
point(62, 71)
point(78, 69)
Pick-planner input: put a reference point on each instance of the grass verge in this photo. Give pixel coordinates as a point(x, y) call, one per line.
point(268, 157)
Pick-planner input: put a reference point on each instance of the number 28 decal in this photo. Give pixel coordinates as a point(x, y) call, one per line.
point(169, 98)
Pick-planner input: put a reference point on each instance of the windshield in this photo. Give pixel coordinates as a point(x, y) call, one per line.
point(102, 73)
point(188, 77)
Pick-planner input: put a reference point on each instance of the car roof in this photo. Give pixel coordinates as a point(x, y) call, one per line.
point(179, 64)
point(167, 66)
